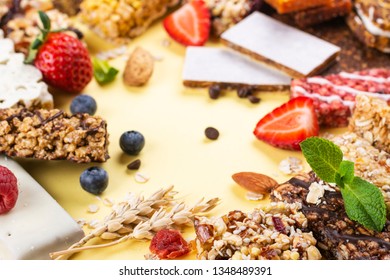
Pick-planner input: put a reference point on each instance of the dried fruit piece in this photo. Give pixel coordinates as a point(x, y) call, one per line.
point(8, 190)
point(255, 182)
point(169, 244)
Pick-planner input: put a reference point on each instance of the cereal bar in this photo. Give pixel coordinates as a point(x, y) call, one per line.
point(338, 237)
point(334, 95)
point(371, 120)
point(53, 135)
point(288, 6)
point(273, 232)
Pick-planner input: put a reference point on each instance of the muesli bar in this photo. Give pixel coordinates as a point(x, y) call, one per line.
point(338, 237)
point(53, 135)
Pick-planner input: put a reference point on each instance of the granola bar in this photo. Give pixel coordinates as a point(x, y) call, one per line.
point(273, 232)
point(20, 23)
point(119, 20)
point(338, 237)
point(53, 135)
point(334, 95)
point(371, 120)
point(226, 13)
point(288, 6)
point(316, 15)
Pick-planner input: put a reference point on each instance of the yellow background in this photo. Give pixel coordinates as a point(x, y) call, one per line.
point(173, 119)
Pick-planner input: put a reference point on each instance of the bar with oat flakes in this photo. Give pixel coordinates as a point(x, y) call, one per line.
point(53, 135)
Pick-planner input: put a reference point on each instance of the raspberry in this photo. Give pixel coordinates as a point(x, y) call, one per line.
point(8, 190)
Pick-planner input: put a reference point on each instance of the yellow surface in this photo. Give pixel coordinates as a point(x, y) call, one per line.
point(173, 119)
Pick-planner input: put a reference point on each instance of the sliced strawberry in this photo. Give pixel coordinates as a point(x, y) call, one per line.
point(189, 25)
point(288, 125)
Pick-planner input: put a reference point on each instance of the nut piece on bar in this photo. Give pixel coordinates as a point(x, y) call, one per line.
point(371, 120)
point(334, 95)
point(205, 66)
point(53, 135)
point(69, 7)
point(288, 6)
point(316, 15)
point(273, 232)
point(281, 46)
point(117, 20)
point(338, 237)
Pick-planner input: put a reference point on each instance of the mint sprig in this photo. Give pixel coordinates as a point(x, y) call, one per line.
point(103, 72)
point(364, 203)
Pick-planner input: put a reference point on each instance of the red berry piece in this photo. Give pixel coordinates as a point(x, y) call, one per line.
point(288, 125)
point(8, 190)
point(169, 244)
point(190, 25)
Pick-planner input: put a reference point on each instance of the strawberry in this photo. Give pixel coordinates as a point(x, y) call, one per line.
point(8, 190)
point(63, 60)
point(190, 24)
point(288, 125)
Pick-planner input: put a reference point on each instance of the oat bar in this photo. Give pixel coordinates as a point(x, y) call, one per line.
point(316, 15)
point(53, 135)
point(273, 232)
point(334, 95)
point(119, 20)
point(371, 120)
point(288, 6)
point(226, 13)
point(338, 237)
point(281, 46)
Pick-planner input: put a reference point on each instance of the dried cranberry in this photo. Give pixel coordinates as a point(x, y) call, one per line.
point(278, 224)
point(169, 244)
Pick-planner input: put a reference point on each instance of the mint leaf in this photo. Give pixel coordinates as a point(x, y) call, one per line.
point(323, 156)
point(347, 171)
point(103, 72)
point(364, 203)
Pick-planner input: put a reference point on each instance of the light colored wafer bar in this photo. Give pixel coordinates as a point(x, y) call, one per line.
point(288, 49)
point(204, 66)
point(37, 225)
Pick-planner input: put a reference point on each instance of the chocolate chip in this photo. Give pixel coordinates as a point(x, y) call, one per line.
point(244, 92)
point(214, 91)
point(254, 99)
point(134, 165)
point(211, 133)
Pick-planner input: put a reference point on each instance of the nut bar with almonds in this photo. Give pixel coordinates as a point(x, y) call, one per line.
point(53, 135)
point(338, 237)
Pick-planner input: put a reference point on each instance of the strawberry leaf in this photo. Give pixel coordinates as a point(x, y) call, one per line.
point(45, 21)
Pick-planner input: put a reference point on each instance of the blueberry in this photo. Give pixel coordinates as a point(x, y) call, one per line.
point(132, 142)
point(83, 104)
point(94, 180)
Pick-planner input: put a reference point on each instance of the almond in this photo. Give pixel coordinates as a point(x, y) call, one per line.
point(255, 182)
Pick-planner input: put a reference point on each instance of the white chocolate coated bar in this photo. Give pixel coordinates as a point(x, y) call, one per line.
point(205, 65)
point(291, 50)
point(37, 225)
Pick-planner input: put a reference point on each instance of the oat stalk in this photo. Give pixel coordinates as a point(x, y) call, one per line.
point(139, 218)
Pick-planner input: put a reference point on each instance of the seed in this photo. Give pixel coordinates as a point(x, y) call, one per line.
point(214, 91)
point(141, 178)
point(134, 165)
point(254, 99)
point(211, 133)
